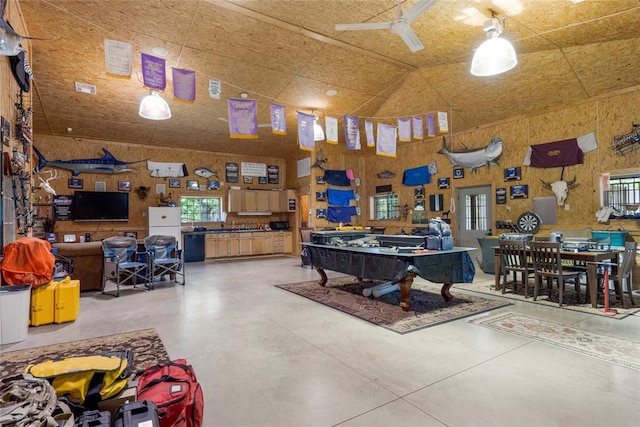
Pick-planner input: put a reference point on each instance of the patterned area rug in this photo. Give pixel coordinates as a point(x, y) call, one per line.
point(146, 345)
point(428, 308)
point(613, 350)
point(570, 302)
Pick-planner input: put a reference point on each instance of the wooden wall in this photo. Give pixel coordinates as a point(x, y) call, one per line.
point(67, 148)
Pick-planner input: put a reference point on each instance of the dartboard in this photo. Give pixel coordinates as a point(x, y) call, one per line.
point(529, 222)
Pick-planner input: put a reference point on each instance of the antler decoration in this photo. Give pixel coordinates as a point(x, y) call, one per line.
point(44, 185)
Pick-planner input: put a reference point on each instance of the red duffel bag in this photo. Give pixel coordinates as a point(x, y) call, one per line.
point(174, 389)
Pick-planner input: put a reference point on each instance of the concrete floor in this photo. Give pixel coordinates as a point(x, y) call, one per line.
point(266, 357)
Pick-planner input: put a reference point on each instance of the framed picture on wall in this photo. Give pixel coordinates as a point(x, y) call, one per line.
point(213, 185)
point(75, 183)
point(174, 183)
point(443, 183)
point(418, 193)
point(512, 174)
point(321, 213)
point(247, 179)
point(519, 191)
point(321, 196)
point(262, 180)
point(458, 173)
point(320, 179)
point(193, 185)
point(124, 185)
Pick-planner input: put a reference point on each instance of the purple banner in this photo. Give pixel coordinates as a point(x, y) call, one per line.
point(153, 72)
point(305, 131)
point(386, 144)
point(243, 118)
point(184, 84)
point(352, 132)
point(278, 119)
point(368, 131)
point(431, 126)
point(418, 127)
point(404, 130)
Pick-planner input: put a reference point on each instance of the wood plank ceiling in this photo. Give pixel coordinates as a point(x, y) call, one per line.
point(288, 52)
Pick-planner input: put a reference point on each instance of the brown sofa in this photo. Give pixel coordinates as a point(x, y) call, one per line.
point(88, 263)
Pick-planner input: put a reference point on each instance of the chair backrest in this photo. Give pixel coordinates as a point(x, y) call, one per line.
point(513, 254)
point(377, 230)
point(120, 248)
point(160, 246)
point(305, 234)
point(546, 257)
point(628, 259)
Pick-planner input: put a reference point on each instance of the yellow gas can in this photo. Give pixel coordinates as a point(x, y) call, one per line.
point(42, 304)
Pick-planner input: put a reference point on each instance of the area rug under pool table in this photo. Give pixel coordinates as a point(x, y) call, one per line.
point(428, 308)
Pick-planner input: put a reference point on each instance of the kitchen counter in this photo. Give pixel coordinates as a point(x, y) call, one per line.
point(228, 230)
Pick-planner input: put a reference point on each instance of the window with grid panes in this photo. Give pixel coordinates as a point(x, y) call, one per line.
point(384, 207)
point(476, 211)
point(200, 209)
point(623, 195)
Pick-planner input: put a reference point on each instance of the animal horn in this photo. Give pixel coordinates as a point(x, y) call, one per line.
point(546, 184)
point(573, 181)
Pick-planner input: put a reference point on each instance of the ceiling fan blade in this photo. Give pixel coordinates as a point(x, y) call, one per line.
point(364, 26)
point(417, 9)
point(408, 36)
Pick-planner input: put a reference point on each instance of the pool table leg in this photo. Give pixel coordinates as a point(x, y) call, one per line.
point(445, 292)
point(323, 277)
point(405, 291)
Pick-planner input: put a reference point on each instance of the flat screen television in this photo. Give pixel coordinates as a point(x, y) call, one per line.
point(100, 206)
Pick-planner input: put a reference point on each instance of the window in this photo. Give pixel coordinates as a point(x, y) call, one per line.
point(476, 211)
point(384, 207)
point(623, 194)
point(200, 209)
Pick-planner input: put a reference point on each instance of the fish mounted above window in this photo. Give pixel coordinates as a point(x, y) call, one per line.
point(473, 159)
point(105, 164)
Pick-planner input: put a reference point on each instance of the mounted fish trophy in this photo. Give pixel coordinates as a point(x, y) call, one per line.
point(560, 188)
point(473, 159)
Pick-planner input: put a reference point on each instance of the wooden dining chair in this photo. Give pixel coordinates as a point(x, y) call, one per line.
point(547, 264)
point(623, 274)
point(514, 260)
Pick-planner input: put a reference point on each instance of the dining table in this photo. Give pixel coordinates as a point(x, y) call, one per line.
point(588, 258)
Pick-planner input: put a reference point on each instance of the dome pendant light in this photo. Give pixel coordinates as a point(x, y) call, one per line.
point(494, 56)
point(154, 107)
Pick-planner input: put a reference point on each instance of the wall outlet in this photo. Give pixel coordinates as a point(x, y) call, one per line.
point(566, 206)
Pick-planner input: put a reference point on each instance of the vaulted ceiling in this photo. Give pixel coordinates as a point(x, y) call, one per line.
point(288, 52)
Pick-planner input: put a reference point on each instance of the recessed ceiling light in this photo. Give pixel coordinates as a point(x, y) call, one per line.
point(332, 92)
point(160, 51)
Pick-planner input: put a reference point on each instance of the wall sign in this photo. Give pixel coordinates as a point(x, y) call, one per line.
point(62, 208)
point(273, 174)
point(231, 172)
point(253, 169)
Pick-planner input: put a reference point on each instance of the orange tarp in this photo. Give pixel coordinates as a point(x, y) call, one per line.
point(28, 261)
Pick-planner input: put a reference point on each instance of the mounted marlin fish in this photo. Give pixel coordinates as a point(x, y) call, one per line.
point(474, 159)
point(105, 164)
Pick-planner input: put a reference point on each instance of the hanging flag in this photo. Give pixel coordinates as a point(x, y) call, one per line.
point(404, 130)
point(386, 143)
point(368, 131)
point(431, 126)
point(352, 132)
point(118, 57)
point(418, 127)
point(560, 153)
point(215, 89)
point(243, 118)
point(153, 72)
point(331, 129)
point(184, 84)
point(305, 131)
point(443, 122)
point(278, 120)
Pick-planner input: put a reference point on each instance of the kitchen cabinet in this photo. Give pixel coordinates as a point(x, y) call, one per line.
point(288, 243)
point(274, 201)
point(235, 200)
point(257, 201)
point(288, 201)
point(244, 244)
point(225, 245)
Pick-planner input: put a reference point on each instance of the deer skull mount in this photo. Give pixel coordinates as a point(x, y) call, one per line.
point(560, 188)
point(44, 184)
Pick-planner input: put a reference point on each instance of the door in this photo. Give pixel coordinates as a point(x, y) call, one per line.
point(475, 218)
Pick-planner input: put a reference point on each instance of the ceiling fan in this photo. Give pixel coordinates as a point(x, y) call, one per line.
point(400, 26)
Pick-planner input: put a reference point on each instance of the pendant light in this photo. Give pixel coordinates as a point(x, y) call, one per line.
point(154, 107)
point(496, 55)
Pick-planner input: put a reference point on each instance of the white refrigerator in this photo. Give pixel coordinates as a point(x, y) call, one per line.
point(165, 221)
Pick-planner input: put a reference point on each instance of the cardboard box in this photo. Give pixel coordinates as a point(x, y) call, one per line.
point(129, 394)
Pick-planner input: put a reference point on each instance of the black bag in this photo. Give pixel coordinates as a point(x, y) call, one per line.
point(133, 413)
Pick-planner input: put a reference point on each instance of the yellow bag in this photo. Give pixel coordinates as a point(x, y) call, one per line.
point(84, 379)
